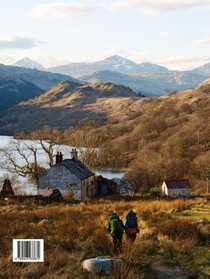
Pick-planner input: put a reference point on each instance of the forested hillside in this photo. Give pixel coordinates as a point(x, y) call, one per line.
point(169, 138)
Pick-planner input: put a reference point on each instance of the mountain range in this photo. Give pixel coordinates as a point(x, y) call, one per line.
point(25, 80)
point(145, 78)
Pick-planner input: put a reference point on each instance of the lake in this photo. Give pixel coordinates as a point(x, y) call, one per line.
point(110, 174)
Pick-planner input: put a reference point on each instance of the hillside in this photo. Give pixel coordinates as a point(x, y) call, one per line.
point(41, 79)
point(164, 137)
point(14, 90)
point(65, 104)
point(168, 119)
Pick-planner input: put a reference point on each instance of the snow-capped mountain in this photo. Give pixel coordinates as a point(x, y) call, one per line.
point(112, 63)
point(28, 63)
point(120, 64)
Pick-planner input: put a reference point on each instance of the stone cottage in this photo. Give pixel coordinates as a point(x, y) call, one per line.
point(176, 188)
point(69, 176)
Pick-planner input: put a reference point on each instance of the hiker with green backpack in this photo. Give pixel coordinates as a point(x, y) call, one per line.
point(131, 226)
point(116, 230)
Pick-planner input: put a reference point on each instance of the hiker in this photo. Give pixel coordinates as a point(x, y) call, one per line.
point(116, 229)
point(131, 226)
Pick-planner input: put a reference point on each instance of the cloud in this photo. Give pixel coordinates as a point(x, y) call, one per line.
point(59, 10)
point(11, 42)
point(185, 62)
point(202, 42)
point(159, 6)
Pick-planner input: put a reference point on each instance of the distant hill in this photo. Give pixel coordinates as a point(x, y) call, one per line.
point(145, 83)
point(28, 63)
point(145, 78)
point(203, 70)
point(65, 104)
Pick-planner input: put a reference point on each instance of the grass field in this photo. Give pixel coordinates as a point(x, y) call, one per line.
point(75, 232)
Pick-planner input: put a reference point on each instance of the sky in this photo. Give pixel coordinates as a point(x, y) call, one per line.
point(171, 33)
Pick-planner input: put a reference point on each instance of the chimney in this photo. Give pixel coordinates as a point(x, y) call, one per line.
point(74, 153)
point(59, 158)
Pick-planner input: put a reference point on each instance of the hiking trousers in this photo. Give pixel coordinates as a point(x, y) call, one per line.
point(117, 242)
point(131, 237)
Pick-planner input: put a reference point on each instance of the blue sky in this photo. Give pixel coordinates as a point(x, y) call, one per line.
point(172, 33)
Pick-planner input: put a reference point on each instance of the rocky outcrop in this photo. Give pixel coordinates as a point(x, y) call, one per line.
point(103, 266)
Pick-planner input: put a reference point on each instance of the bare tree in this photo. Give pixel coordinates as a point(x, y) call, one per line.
point(21, 158)
point(48, 138)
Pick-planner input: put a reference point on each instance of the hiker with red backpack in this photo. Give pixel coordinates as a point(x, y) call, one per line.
point(131, 226)
point(116, 230)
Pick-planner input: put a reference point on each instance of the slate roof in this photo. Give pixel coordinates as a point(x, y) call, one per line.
point(77, 168)
point(178, 184)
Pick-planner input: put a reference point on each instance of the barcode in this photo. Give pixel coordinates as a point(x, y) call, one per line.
point(28, 250)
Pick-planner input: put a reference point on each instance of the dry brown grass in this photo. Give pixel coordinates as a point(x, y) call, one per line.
point(76, 232)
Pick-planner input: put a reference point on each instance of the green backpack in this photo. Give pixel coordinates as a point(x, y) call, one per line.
point(115, 224)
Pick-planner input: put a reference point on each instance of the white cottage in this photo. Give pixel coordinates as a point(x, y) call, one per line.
point(68, 176)
point(176, 188)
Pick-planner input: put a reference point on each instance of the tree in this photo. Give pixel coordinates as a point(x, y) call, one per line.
point(87, 142)
point(183, 148)
point(146, 172)
point(48, 137)
point(201, 168)
point(23, 157)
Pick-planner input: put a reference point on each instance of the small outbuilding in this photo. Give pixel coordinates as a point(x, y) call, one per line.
point(106, 186)
point(176, 188)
